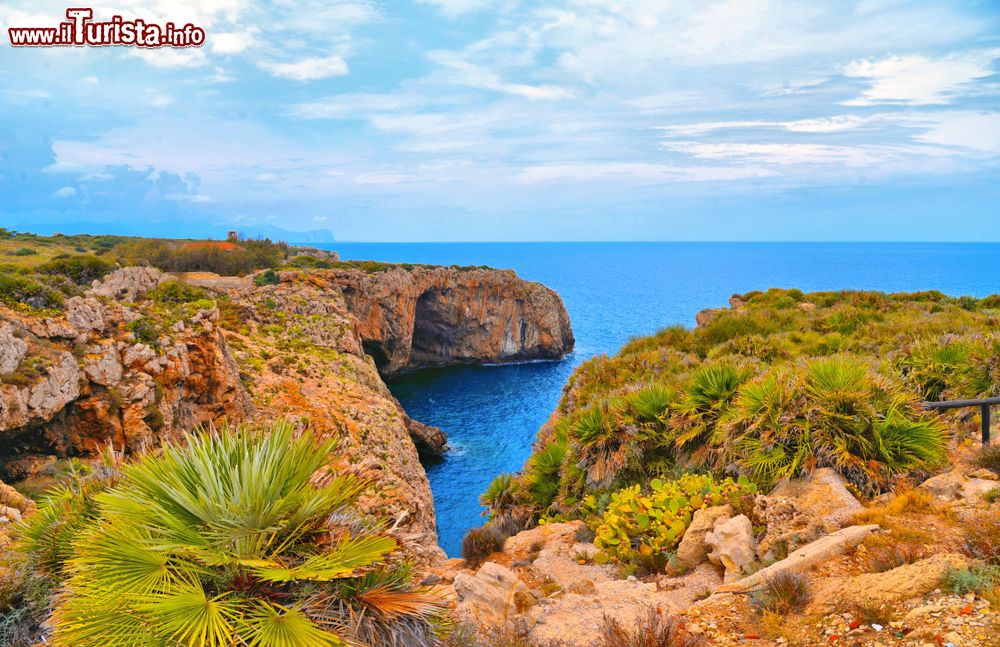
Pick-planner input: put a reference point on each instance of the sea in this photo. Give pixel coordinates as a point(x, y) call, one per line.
point(613, 292)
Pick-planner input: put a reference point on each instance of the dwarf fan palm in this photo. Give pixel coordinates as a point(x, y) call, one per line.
point(224, 540)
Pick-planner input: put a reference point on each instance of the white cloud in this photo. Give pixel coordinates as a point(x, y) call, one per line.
point(161, 101)
point(460, 71)
point(804, 155)
point(978, 131)
point(231, 42)
point(454, 8)
point(65, 192)
point(308, 69)
point(837, 123)
point(918, 80)
point(634, 172)
point(168, 57)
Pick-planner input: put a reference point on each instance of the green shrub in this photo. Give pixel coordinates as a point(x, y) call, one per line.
point(978, 579)
point(480, 543)
point(649, 525)
point(24, 251)
point(175, 293)
point(270, 557)
point(144, 330)
point(224, 258)
point(16, 288)
point(988, 457)
point(267, 277)
point(82, 269)
point(308, 261)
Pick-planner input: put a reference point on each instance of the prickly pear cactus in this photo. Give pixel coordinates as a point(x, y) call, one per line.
point(649, 522)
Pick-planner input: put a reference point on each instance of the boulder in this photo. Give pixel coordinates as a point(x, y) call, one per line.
point(491, 596)
point(788, 527)
point(823, 494)
point(692, 550)
point(128, 283)
point(85, 315)
point(732, 546)
point(955, 485)
point(12, 348)
point(821, 550)
point(102, 365)
point(901, 583)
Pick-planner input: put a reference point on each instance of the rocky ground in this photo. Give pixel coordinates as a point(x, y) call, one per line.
point(874, 573)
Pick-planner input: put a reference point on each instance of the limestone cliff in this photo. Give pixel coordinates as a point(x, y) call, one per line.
point(437, 316)
point(103, 371)
point(131, 364)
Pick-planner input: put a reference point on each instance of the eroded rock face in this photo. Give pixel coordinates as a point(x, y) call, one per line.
point(901, 583)
point(425, 317)
point(801, 560)
point(128, 283)
point(491, 595)
point(731, 545)
point(956, 485)
point(693, 550)
point(12, 348)
point(82, 380)
point(823, 494)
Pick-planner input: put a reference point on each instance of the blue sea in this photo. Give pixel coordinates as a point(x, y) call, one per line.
point(615, 291)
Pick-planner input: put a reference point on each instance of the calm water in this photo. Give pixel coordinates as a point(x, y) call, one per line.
point(614, 291)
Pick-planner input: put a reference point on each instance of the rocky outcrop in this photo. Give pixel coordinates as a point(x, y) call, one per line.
point(118, 367)
point(435, 316)
point(731, 546)
point(958, 485)
point(693, 550)
point(491, 596)
point(83, 380)
point(901, 583)
point(803, 559)
point(297, 346)
point(823, 494)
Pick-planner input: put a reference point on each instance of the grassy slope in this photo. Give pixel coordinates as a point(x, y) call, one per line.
point(780, 383)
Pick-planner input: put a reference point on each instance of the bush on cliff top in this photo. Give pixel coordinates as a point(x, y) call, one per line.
point(239, 544)
point(779, 385)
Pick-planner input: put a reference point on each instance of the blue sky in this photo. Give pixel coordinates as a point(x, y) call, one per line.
point(412, 120)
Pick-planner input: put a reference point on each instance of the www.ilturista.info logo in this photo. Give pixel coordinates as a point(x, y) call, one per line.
point(79, 30)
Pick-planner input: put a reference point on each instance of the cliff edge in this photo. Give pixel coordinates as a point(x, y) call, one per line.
point(426, 317)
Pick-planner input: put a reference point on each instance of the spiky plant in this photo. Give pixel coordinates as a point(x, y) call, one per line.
point(67, 509)
point(604, 446)
point(706, 398)
point(542, 472)
point(230, 538)
point(504, 507)
point(651, 404)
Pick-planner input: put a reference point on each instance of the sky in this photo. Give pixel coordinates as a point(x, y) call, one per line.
point(511, 120)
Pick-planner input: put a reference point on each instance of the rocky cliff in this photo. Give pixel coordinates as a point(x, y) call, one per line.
point(110, 371)
point(140, 359)
point(436, 316)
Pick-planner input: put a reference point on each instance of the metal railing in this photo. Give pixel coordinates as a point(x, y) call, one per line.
point(984, 405)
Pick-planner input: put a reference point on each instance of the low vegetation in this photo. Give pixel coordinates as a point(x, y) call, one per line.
point(240, 544)
point(641, 527)
point(781, 594)
point(776, 386)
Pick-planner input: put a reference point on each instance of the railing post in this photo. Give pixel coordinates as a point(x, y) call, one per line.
point(985, 415)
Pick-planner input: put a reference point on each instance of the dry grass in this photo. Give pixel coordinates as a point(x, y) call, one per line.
point(781, 594)
point(897, 516)
point(657, 629)
point(885, 552)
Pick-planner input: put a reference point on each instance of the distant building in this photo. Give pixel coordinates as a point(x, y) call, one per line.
point(233, 236)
